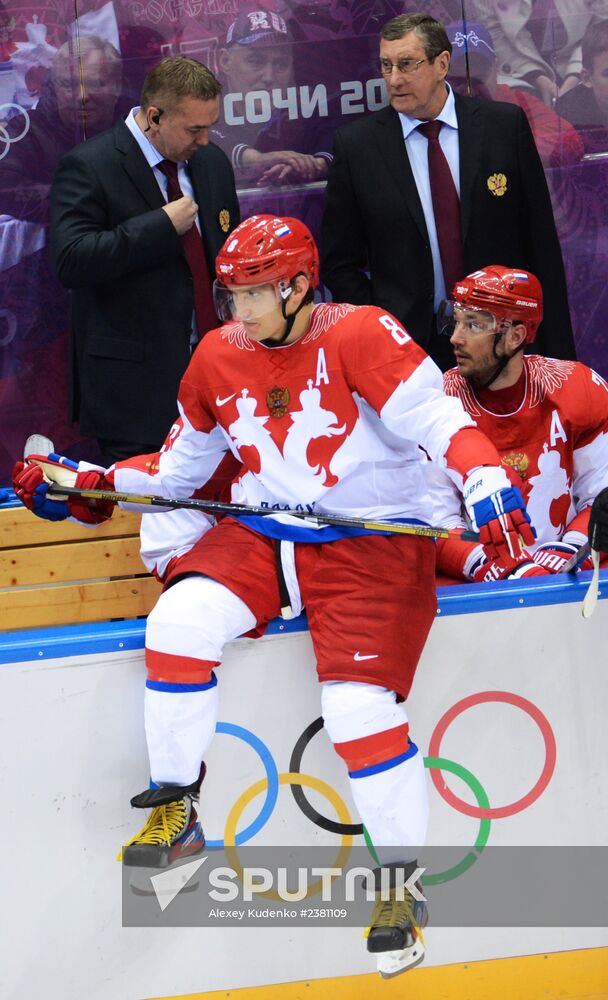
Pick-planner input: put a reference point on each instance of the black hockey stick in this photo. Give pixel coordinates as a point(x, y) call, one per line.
point(579, 556)
point(241, 510)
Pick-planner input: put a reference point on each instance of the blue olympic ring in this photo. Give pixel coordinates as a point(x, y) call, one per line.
point(229, 729)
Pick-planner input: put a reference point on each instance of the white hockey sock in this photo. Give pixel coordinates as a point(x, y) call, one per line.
point(179, 729)
point(391, 795)
point(185, 638)
point(393, 805)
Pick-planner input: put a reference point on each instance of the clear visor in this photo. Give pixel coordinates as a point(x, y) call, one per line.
point(470, 319)
point(248, 303)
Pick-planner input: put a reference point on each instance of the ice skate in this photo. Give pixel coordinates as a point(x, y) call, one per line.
point(172, 831)
point(395, 932)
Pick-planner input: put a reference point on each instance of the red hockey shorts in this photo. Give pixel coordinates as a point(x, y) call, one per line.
point(370, 600)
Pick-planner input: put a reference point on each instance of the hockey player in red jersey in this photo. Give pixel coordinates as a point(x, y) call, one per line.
point(325, 406)
point(548, 419)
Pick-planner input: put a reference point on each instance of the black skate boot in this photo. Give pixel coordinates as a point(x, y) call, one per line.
point(395, 932)
point(172, 831)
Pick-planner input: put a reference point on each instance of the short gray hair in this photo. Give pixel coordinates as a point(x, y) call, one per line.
point(431, 33)
point(77, 49)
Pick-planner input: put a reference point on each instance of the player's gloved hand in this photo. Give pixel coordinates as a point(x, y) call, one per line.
point(498, 512)
point(33, 478)
point(488, 570)
point(553, 556)
point(598, 523)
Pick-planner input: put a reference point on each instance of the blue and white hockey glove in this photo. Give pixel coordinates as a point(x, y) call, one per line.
point(497, 510)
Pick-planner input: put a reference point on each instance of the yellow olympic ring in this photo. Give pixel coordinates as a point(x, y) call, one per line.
point(286, 778)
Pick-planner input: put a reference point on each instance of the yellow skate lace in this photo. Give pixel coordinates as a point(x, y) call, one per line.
point(393, 912)
point(162, 825)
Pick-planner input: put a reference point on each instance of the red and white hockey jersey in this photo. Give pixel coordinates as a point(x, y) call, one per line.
point(555, 438)
point(330, 423)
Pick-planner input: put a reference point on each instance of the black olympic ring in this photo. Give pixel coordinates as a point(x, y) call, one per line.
point(298, 791)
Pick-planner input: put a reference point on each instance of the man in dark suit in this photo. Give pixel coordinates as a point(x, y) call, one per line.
point(137, 216)
point(383, 229)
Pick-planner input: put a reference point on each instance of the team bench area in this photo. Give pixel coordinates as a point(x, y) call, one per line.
point(59, 573)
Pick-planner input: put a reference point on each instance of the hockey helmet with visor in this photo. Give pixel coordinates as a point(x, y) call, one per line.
point(257, 264)
point(491, 300)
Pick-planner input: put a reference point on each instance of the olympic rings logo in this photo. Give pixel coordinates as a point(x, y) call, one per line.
point(343, 826)
point(4, 134)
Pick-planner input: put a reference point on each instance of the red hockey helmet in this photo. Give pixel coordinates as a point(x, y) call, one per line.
point(265, 249)
point(507, 293)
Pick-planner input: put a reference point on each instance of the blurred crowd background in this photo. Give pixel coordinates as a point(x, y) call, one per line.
point(70, 68)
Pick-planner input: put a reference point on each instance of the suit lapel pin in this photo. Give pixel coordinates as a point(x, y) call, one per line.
point(497, 184)
point(224, 220)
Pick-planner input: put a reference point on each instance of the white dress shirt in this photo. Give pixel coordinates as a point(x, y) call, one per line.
point(417, 151)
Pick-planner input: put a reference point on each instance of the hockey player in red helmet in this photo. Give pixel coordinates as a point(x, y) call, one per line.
point(276, 258)
point(326, 407)
point(501, 308)
point(548, 419)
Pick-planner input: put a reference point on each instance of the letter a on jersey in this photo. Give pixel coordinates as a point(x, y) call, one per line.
point(322, 375)
point(557, 431)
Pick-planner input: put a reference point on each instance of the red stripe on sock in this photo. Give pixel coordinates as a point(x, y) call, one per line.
point(375, 748)
point(178, 669)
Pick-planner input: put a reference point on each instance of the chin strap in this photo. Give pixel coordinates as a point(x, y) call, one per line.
point(289, 320)
point(501, 363)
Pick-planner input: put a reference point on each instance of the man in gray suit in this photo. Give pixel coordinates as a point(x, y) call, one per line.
point(382, 230)
point(138, 214)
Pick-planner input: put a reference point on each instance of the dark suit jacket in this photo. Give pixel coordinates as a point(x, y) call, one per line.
point(132, 297)
point(374, 221)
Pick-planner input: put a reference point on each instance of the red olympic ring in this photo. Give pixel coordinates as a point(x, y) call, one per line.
point(547, 772)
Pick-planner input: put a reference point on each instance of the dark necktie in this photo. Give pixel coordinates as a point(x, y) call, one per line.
point(446, 208)
point(195, 255)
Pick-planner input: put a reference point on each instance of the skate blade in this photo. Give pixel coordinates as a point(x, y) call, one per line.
point(140, 881)
point(393, 963)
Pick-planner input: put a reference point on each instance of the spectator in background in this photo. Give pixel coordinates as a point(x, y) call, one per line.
point(77, 101)
point(586, 106)
point(78, 98)
point(131, 241)
point(393, 239)
point(538, 42)
point(7, 28)
point(258, 57)
point(547, 418)
point(473, 73)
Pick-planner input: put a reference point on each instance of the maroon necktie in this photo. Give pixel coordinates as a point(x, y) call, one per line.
point(195, 255)
point(446, 207)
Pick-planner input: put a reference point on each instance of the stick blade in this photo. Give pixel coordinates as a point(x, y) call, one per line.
point(593, 592)
point(38, 444)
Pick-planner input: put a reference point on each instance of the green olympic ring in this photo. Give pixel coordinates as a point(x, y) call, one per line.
point(483, 834)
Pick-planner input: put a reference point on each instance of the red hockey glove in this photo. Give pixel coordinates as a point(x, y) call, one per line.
point(32, 479)
point(553, 556)
point(488, 571)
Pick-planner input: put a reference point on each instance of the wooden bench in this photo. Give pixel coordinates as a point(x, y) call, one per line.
point(58, 573)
